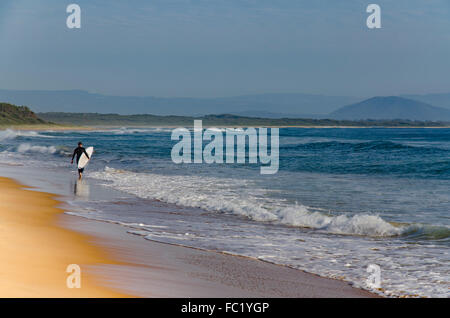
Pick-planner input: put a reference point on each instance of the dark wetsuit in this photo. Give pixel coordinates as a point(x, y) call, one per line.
point(78, 152)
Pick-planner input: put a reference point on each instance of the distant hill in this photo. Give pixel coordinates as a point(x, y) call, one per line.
point(18, 115)
point(439, 100)
point(82, 101)
point(392, 107)
point(224, 120)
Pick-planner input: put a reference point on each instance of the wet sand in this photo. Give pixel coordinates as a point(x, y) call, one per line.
point(163, 270)
point(38, 241)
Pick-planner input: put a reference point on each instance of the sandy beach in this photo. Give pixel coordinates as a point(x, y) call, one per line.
point(34, 253)
point(171, 153)
point(39, 241)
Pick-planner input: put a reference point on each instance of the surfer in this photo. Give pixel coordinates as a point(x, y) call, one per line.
point(78, 152)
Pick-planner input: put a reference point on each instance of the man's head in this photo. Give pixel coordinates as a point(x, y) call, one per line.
point(80, 144)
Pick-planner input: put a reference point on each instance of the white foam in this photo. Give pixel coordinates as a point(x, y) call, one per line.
point(23, 148)
point(240, 197)
point(11, 134)
point(360, 224)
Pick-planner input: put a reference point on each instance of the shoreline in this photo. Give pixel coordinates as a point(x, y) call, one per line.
point(92, 128)
point(171, 270)
point(118, 261)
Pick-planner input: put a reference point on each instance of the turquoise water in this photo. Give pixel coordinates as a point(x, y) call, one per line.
point(342, 199)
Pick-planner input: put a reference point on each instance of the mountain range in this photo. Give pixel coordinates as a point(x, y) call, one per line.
point(83, 101)
point(434, 107)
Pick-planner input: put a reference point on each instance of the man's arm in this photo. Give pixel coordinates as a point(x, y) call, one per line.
point(74, 152)
point(84, 150)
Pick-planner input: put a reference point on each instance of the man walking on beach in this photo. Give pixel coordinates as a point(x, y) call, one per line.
point(79, 151)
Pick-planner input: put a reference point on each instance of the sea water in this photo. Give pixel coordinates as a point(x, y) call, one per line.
point(342, 199)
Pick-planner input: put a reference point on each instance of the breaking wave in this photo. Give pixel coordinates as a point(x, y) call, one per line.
point(27, 148)
point(22, 148)
point(228, 195)
point(12, 134)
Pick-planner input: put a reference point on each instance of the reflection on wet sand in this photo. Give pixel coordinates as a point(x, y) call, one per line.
point(81, 188)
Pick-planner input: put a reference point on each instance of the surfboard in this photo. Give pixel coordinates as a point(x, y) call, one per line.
point(83, 159)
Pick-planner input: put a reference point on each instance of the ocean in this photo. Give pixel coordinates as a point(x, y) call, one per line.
point(343, 198)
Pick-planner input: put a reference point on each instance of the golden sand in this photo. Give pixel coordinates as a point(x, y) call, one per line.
point(35, 252)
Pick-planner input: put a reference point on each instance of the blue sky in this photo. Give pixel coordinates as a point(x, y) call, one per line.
point(207, 48)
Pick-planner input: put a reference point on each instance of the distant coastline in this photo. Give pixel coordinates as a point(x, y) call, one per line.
point(225, 120)
point(21, 117)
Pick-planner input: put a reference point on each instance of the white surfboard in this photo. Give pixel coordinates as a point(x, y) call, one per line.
point(83, 159)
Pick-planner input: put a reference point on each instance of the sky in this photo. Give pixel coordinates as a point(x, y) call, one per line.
point(215, 48)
